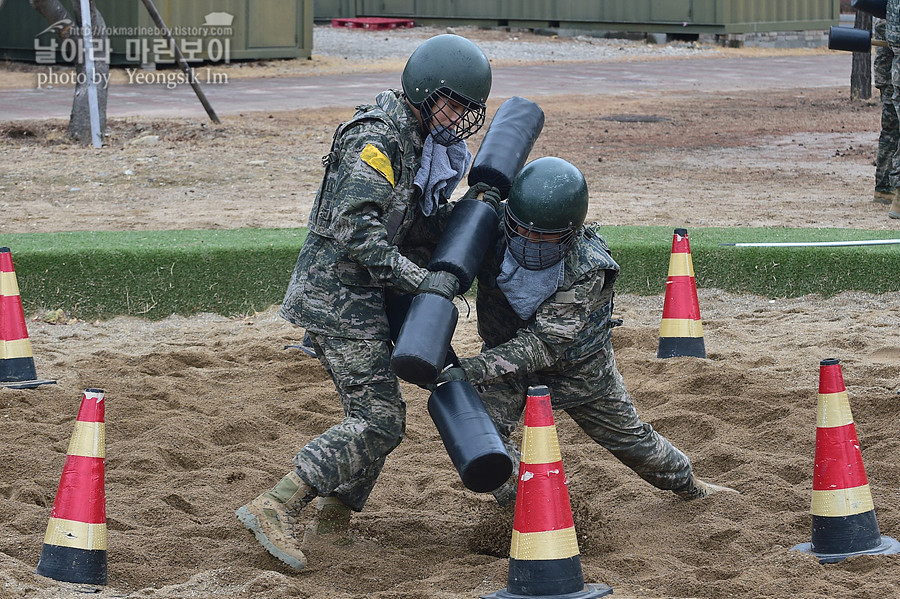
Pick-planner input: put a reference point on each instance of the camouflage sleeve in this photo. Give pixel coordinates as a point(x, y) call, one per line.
point(365, 185)
point(545, 340)
point(524, 353)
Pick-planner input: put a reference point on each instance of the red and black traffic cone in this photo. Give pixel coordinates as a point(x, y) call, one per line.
point(843, 514)
point(16, 359)
point(681, 332)
point(543, 558)
point(74, 547)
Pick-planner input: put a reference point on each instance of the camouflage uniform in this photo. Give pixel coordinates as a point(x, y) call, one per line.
point(889, 139)
point(566, 346)
point(364, 226)
point(892, 36)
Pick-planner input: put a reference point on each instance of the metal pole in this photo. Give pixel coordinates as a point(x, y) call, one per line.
point(185, 67)
point(811, 244)
point(93, 103)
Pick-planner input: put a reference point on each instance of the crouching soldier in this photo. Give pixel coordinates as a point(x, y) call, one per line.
point(544, 306)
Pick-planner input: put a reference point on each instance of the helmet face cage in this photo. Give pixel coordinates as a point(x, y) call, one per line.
point(461, 125)
point(535, 248)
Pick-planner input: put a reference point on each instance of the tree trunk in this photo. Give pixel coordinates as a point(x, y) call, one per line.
point(80, 118)
point(861, 71)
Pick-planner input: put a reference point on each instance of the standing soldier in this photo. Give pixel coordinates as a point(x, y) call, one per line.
point(387, 178)
point(889, 139)
point(544, 306)
point(892, 36)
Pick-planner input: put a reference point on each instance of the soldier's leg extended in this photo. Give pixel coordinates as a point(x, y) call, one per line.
point(613, 422)
point(344, 461)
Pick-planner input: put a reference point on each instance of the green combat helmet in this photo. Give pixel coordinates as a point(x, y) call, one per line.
point(548, 202)
point(451, 67)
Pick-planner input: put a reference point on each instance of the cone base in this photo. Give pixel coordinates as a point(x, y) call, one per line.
point(834, 535)
point(68, 564)
point(590, 592)
point(17, 369)
point(888, 546)
point(25, 384)
point(673, 347)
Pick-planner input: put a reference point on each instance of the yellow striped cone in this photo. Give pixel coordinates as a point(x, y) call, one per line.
point(543, 557)
point(681, 332)
point(74, 547)
point(843, 514)
point(16, 360)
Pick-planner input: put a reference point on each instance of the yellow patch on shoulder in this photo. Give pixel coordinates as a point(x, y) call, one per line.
point(379, 161)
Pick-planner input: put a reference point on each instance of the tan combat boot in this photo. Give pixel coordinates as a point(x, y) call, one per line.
point(271, 518)
point(698, 489)
point(332, 519)
point(895, 206)
point(885, 197)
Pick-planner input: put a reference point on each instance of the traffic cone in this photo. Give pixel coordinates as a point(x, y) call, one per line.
point(543, 558)
point(74, 547)
point(843, 514)
point(16, 360)
point(681, 332)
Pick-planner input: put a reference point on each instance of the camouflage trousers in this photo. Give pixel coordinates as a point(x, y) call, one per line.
point(889, 122)
point(889, 138)
point(608, 416)
point(345, 460)
point(888, 142)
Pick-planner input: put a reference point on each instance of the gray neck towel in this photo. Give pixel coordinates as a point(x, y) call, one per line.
point(443, 167)
point(526, 290)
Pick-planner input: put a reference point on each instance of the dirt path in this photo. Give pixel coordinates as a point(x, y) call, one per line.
point(797, 158)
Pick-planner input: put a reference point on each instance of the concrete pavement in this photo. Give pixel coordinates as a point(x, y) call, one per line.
point(297, 93)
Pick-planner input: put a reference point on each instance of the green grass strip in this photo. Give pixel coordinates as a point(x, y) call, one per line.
point(154, 273)
point(643, 253)
point(237, 271)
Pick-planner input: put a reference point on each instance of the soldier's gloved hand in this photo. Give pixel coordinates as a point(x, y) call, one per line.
point(441, 282)
point(491, 194)
point(454, 373)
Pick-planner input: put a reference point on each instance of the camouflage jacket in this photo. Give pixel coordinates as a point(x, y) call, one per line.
point(884, 56)
point(567, 330)
point(364, 225)
point(892, 23)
